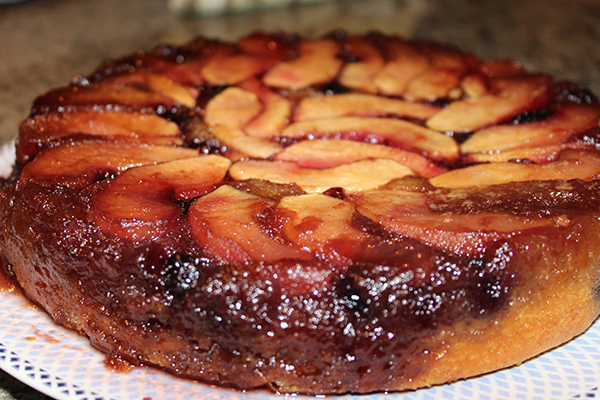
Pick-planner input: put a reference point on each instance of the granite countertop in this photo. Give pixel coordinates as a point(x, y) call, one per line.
point(47, 42)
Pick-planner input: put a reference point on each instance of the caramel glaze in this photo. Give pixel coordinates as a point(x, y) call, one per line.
point(402, 314)
point(537, 198)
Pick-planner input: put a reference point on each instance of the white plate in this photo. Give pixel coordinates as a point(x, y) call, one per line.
point(63, 365)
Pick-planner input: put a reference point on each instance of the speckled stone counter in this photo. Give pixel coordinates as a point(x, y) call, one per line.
point(44, 43)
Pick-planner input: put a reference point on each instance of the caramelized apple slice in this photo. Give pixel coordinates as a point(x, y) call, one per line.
point(354, 177)
point(233, 108)
point(566, 119)
point(186, 73)
point(538, 155)
point(316, 64)
point(102, 94)
point(251, 146)
point(235, 69)
point(513, 96)
point(259, 53)
point(272, 120)
point(442, 78)
point(394, 132)
point(275, 114)
point(43, 129)
point(320, 153)
point(369, 62)
point(405, 63)
point(140, 203)
point(84, 162)
point(571, 164)
point(433, 84)
point(323, 225)
point(225, 223)
point(318, 218)
point(407, 214)
point(164, 85)
point(365, 105)
point(474, 85)
point(227, 113)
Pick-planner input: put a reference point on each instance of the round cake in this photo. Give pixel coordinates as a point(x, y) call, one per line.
point(341, 214)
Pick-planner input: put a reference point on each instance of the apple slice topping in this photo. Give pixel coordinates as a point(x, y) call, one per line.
point(354, 177)
point(233, 107)
point(565, 120)
point(571, 164)
point(334, 218)
point(323, 225)
point(42, 130)
point(235, 69)
point(228, 112)
point(435, 83)
point(275, 114)
point(538, 155)
point(329, 153)
point(102, 94)
point(361, 73)
point(283, 137)
point(358, 104)
point(395, 132)
point(442, 78)
point(186, 73)
point(474, 85)
point(249, 146)
point(87, 161)
point(405, 62)
point(141, 203)
point(184, 95)
point(408, 214)
point(512, 96)
point(226, 224)
point(317, 63)
point(259, 52)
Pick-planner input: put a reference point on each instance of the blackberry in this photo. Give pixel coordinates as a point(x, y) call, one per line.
point(182, 272)
point(574, 93)
point(531, 116)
